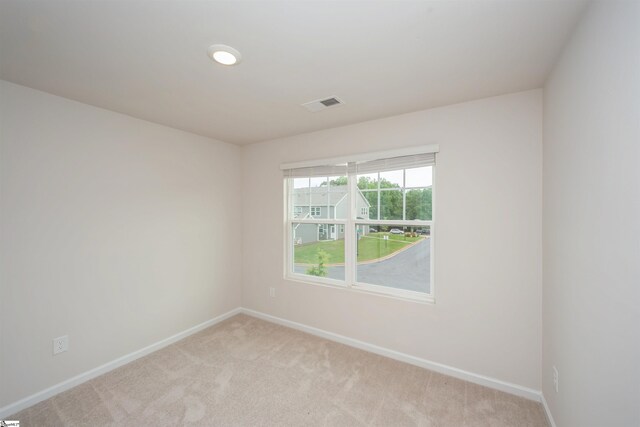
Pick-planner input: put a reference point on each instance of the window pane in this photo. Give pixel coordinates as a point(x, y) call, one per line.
point(418, 204)
point(368, 181)
point(394, 256)
point(300, 182)
point(371, 198)
point(318, 250)
point(418, 177)
point(310, 201)
point(318, 181)
point(391, 204)
point(391, 179)
point(299, 198)
point(337, 181)
point(319, 198)
point(338, 204)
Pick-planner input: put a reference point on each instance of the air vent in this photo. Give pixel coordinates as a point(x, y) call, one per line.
point(323, 104)
point(329, 102)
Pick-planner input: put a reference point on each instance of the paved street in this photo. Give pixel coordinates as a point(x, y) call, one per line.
point(410, 269)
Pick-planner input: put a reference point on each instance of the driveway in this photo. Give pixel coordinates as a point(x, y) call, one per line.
point(409, 269)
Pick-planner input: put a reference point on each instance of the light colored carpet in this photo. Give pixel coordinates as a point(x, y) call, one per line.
point(248, 372)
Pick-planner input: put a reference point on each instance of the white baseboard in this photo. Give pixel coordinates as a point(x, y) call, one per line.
point(423, 363)
point(547, 411)
point(427, 364)
point(86, 376)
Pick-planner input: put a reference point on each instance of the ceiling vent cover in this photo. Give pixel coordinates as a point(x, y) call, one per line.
point(323, 104)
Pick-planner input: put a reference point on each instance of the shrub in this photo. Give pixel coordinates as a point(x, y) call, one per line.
point(320, 270)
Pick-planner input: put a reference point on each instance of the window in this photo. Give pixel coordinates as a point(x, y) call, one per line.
point(371, 225)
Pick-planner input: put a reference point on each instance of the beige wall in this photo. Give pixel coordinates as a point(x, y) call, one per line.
point(487, 318)
point(115, 231)
point(120, 233)
point(592, 222)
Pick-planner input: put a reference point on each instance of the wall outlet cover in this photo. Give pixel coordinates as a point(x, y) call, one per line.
point(60, 344)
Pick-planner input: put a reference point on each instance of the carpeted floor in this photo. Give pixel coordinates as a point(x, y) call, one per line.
point(248, 372)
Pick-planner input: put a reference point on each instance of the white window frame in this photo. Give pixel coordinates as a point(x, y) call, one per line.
point(349, 224)
point(313, 209)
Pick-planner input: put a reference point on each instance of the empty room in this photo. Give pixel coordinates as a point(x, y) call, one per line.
point(320, 213)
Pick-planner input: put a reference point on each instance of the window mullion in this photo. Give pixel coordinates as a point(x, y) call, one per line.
point(350, 238)
point(404, 194)
point(379, 196)
point(288, 240)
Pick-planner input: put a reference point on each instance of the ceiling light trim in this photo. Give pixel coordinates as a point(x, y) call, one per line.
point(224, 55)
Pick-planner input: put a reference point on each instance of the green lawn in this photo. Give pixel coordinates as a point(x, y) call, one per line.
point(370, 247)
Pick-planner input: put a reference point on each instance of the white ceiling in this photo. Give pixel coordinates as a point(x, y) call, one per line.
point(149, 59)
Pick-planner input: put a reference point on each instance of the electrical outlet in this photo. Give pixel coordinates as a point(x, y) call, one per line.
point(60, 344)
point(555, 378)
point(272, 292)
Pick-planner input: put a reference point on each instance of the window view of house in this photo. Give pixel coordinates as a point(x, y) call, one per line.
point(328, 201)
point(388, 216)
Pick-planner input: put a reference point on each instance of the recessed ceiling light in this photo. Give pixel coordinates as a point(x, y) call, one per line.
point(225, 55)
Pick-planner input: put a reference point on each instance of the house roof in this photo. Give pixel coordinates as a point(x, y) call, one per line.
point(322, 196)
point(319, 196)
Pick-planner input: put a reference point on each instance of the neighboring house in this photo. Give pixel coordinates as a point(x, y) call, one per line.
point(324, 203)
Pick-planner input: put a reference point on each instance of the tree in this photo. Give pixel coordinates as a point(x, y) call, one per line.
point(390, 204)
point(390, 201)
point(419, 204)
point(341, 180)
point(319, 270)
point(418, 201)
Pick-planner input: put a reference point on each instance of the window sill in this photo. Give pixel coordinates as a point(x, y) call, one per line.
point(362, 288)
